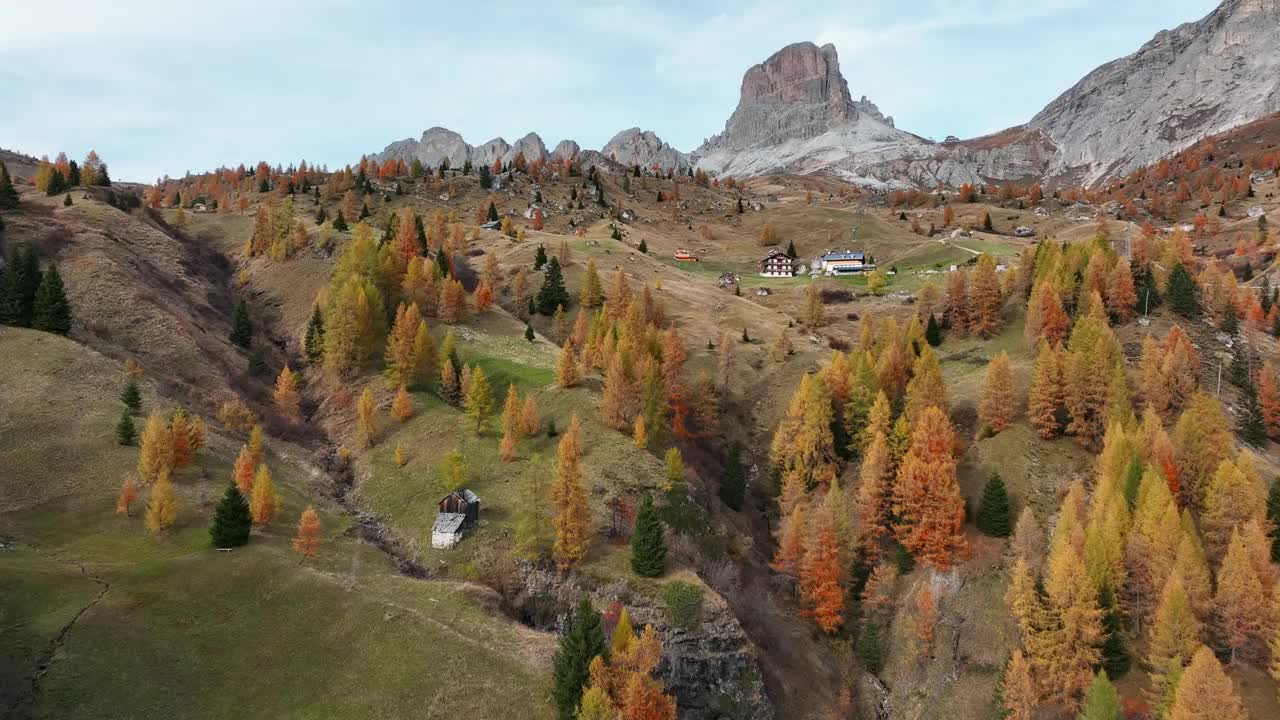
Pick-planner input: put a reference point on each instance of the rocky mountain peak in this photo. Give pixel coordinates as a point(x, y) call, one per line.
point(634, 146)
point(797, 93)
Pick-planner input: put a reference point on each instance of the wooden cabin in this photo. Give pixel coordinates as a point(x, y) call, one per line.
point(459, 512)
point(684, 256)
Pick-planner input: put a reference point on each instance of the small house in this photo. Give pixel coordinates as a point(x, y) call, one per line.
point(778, 264)
point(843, 262)
point(459, 511)
point(727, 279)
point(685, 256)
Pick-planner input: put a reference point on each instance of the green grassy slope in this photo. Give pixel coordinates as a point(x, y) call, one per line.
point(115, 623)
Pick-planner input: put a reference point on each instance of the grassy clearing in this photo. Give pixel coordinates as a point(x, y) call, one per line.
point(185, 631)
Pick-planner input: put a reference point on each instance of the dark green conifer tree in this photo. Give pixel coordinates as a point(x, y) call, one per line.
point(539, 257)
point(66, 201)
point(364, 210)
point(643, 247)
point(22, 280)
point(528, 332)
point(486, 178)
point(582, 641)
point(1115, 658)
point(442, 263)
point(553, 294)
point(8, 194)
point(1273, 517)
point(421, 232)
point(314, 343)
point(932, 333)
point(648, 549)
point(242, 326)
point(231, 520)
point(339, 222)
point(493, 212)
point(868, 646)
point(733, 486)
point(321, 215)
point(132, 397)
point(791, 248)
point(57, 183)
point(50, 311)
point(73, 174)
point(993, 508)
point(125, 432)
point(1183, 293)
point(1252, 425)
point(1230, 325)
point(740, 208)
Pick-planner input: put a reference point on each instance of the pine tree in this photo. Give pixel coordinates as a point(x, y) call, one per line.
point(1273, 519)
point(1115, 658)
point(582, 641)
point(231, 520)
point(1182, 292)
point(263, 503)
point(310, 534)
point(1205, 692)
point(125, 432)
point(131, 396)
point(162, 506)
point(869, 648)
point(932, 334)
point(8, 194)
point(539, 255)
point(242, 326)
point(996, 406)
point(339, 222)
point(993, 508)
point(552, 294)
point(733, 484)
point(648, 549)
point(1101, 701)
point(50, 311)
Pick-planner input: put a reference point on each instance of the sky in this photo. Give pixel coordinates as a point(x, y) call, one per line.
point(163, 88)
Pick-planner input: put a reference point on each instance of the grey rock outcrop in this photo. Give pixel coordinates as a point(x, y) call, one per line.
point(711, 668)
point(566, 150)
point(485, 154)
point(437, 143)
point(532, 147)
point(634, 146)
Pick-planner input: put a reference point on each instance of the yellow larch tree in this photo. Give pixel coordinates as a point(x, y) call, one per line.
point(996, 406)
point(155, 452)
point(569, 501)
point(263, 502)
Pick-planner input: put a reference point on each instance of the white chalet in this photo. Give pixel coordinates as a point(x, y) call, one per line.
point(778, 264)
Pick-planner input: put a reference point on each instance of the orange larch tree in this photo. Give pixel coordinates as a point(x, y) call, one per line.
point(926, 495)
point(310, 533)
point(821, 597)
point(996, 406)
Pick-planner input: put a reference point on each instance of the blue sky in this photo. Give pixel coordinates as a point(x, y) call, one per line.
point(163, 87)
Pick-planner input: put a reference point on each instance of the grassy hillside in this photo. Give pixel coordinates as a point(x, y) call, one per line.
point(99, 619)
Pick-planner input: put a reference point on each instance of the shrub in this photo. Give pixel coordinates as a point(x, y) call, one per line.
point(684, 603)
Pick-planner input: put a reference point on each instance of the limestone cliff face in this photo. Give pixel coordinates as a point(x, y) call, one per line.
point(797, 93)
point(1186, 84)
